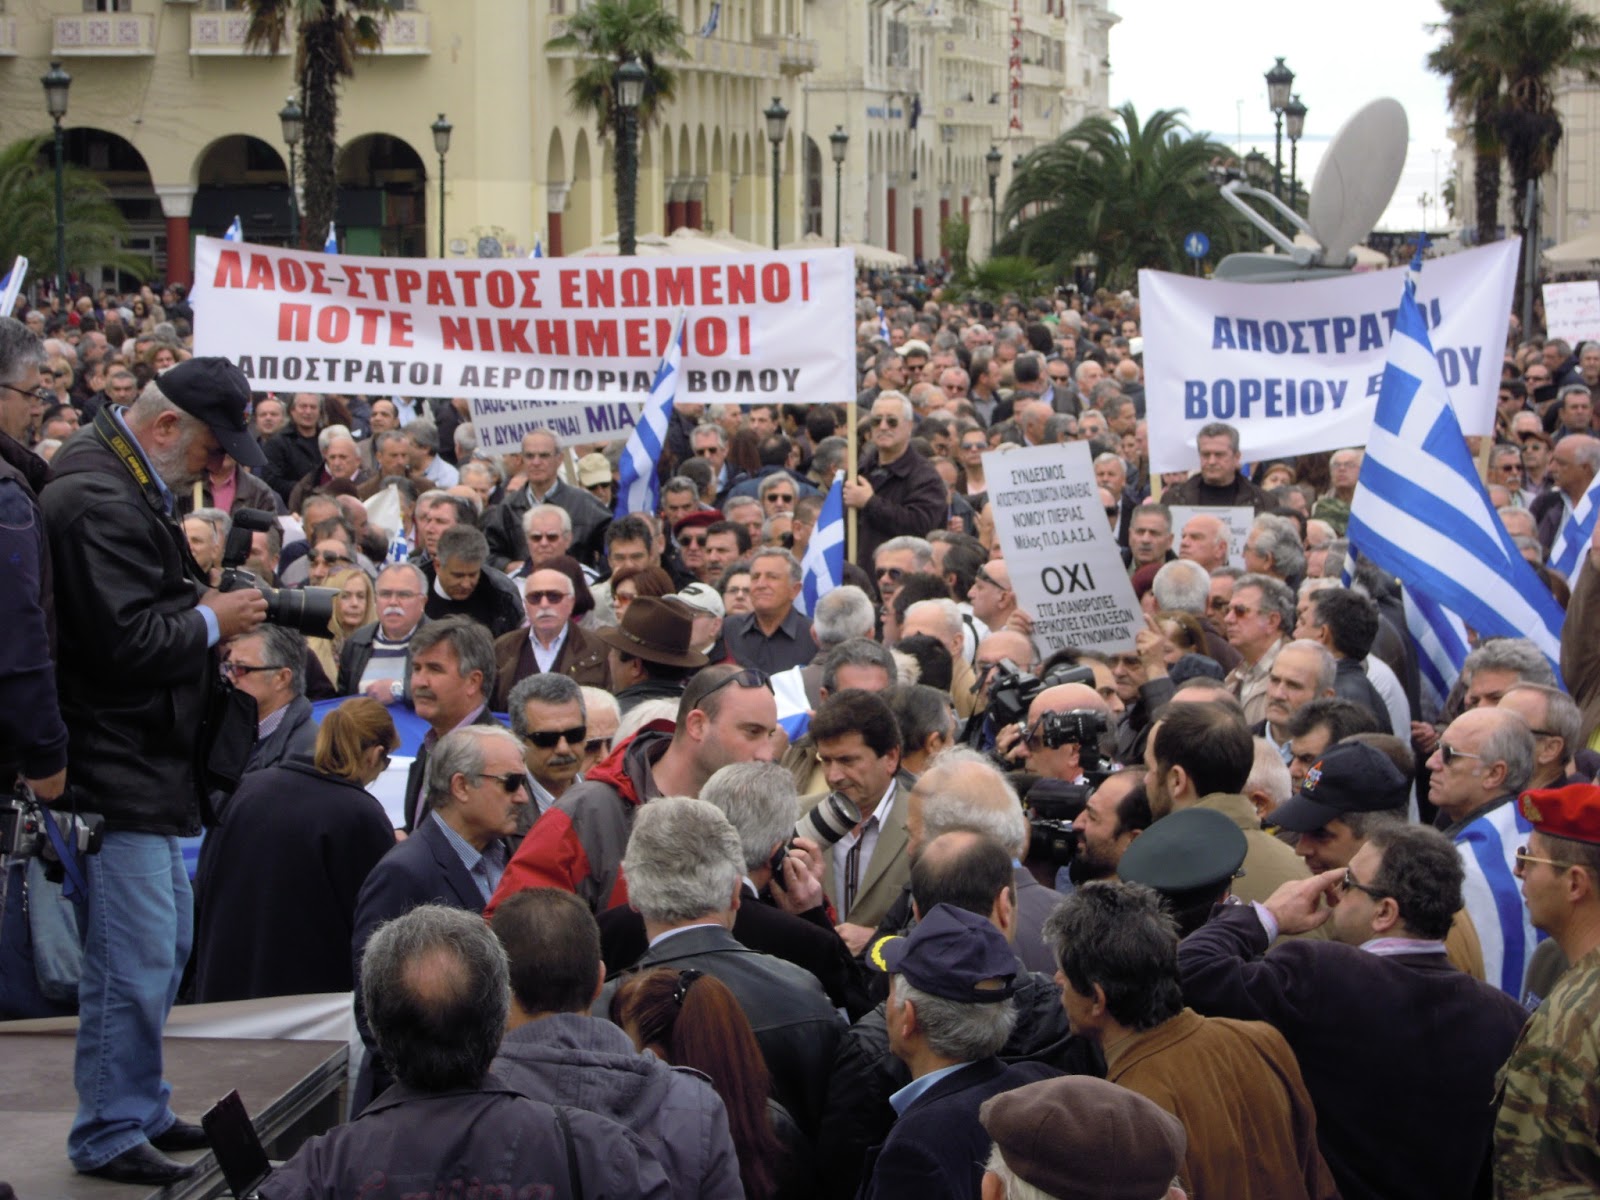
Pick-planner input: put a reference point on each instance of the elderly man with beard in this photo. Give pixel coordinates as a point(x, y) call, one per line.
point(137, 671)
point(552, 642)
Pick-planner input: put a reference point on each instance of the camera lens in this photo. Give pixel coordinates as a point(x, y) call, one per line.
point(829, 821)
point(308, 610)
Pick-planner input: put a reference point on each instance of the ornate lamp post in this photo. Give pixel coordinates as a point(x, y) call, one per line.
point(991, 163)
point(56, 84)
point(628, 83)
point(441, 142)
point(1295, 117)
point(1279, 80)
point(293, 120)
point(777, 121)
point(839, 144)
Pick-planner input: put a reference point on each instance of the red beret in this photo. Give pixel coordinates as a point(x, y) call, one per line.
point(1565, 812)
point(698, 520)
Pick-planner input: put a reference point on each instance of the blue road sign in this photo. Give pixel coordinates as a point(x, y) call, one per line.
point(1197, 245)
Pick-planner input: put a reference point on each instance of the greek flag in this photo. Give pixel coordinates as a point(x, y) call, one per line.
point(235, 231)
point(638, 488)
point(823, 568)
point(1421, 512)
point(538, 247)
point(331, 246)
point(1441, 644)
point(883, 324)
point(710, 26)
point(1572, 539)
point(794, 707)
point(11, 285)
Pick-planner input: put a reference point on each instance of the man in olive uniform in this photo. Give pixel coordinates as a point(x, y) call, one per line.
point(1547, 1132)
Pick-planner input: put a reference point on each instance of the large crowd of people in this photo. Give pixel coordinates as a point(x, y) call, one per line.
point(878, 899)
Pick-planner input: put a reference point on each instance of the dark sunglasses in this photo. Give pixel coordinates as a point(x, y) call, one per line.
point(231, 668)
point(597, 745)
point(1348, 882)
point(511, 783)
point(540, 596)
point(549, 739)
point(891, 422)
point(780, 497)
point(893, 574)
point(328, 559)
point(708, 451)
point(687, 540)
point(1449, 754)
point(974, 445)
point(546, 537)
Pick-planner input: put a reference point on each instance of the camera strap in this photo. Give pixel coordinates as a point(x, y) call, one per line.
point(75, 886)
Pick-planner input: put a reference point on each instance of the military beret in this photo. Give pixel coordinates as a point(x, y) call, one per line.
point(215, 391)
point(1082, 1138)
point(1571, 812)
point(1185, 851)
point(698, 520)
point(1350, 777)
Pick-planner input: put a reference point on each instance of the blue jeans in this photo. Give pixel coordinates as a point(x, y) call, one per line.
point(141, 925)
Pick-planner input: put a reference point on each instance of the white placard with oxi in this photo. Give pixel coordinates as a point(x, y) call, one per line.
point(1065, 566)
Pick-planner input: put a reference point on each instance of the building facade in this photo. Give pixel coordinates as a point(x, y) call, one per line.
point(169, 109)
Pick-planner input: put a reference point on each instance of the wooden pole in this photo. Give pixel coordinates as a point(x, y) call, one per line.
point(852, 411)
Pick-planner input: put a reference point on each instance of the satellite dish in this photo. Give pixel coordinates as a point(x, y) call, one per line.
point(1357, 177)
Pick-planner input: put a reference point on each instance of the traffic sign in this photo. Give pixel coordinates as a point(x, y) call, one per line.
point(1197, 245)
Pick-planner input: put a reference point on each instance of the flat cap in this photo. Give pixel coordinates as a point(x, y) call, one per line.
point(1350, 777)
point(215, 391)
point(1081, 1138)
point(1185, 851)
point(1571, 812)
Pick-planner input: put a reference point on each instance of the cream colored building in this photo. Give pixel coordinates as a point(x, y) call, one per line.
point(168, 108)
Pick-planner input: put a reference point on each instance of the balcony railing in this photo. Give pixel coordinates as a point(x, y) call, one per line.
point(8, 37)
point(104, 35)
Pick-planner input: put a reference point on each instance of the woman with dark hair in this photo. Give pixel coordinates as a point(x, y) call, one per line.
point(744, 453)
point(691, 1019)
point(628, 584)
point(278, 878)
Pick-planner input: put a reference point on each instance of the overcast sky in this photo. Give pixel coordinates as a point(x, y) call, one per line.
point(1210, 60)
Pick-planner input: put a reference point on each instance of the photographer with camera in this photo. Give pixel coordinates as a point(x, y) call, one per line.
point(152, 726)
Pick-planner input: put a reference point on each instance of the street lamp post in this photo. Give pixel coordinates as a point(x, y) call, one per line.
point(1257, 169)
point(777, 121)
point(56, 82)
point(441, 142)
point(1295, 118)
point(629, 84)
point(1279, 80)
point(293, 120)
point(839, 144)
point(991, 163)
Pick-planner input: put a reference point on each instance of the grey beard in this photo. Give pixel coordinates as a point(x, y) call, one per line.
point(169, 465)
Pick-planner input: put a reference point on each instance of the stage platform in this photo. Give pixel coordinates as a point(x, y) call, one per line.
point(293, 1087)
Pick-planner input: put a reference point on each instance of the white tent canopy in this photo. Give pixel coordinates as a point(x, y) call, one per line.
point(1577, 252)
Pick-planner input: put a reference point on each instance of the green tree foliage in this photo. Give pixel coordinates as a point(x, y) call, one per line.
point(95, 226)
point(1124, 192)
point(606, 33)
point(1473, 89)
point(329, 34)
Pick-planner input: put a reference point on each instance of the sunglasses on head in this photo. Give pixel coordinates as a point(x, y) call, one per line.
point(549, 739)
point(545, 596)
point(749, 677)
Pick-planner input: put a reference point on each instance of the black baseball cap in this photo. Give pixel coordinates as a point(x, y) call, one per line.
point(956, 955)
point(1350, 777)
point(215, 391)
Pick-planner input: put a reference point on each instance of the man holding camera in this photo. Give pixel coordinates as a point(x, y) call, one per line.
point(139, 627)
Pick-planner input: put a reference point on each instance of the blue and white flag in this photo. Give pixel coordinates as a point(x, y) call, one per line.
point(331, 246)
point(638, 486)
point(883, 324)
point(1441, 644)
point(11, 285)
point(1572, 539)
point(823, 567)
point(538, 247)
point(1421, 512)
point(794, 706)
point(710, 26)
point(235, 231)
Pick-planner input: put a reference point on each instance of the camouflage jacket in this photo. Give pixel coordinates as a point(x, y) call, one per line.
point(1547, 1132)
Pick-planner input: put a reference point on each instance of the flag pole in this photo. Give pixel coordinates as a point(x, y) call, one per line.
point(852, 410)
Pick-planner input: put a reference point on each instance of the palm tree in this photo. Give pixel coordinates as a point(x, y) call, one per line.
point(95, 226)
point(1123, 192)
point(1473, 88)
point(606, 33)
point(329, 35)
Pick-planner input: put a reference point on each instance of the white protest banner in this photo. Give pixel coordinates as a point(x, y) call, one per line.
point(1064, 562)
point(1237, 521)
point(1572, 310)
point(1296, 367)
point(761, 327)
point(501, 424)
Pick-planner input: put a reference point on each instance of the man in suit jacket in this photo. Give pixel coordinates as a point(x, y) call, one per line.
point(684, 866)
point(1379, 1009)
point(476, 783)
point(452, 675)
point(858, 745)
point(950, 1011)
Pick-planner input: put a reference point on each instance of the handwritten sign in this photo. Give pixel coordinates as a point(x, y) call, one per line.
point(1572, 310)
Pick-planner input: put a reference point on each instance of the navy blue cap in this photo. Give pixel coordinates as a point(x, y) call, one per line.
point(1350, 777)
point(956, 955)
point(1185, 851)
point(215, 391)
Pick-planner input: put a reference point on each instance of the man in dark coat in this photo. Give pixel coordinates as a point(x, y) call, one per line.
point(1220, 482)
point(1379, 1008)
point(293, 452)
point(461, 584)
point(950, 1013)
point(137, 671)
point(541, 462)
point(897, 491)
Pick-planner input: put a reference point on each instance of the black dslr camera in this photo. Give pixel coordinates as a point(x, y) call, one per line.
point(1053, 805)
point(309, 610)
point(1012, 690)
point(24, 831)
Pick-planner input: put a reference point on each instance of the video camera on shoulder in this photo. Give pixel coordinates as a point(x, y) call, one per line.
point(1053, 804)
point(308, 610)
point(1012, 690)
point(24, 831)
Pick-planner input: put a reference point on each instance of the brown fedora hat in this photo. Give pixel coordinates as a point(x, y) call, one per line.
point(657, 629)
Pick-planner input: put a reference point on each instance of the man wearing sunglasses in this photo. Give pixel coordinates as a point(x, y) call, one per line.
point(1483, 760)
point(1352, 1008)
point(552, 642)
point(897, 490)
point(549, 718)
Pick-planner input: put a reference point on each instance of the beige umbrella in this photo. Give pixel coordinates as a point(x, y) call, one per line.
point(645, 245)
point(876, 257)
point(1578, 252)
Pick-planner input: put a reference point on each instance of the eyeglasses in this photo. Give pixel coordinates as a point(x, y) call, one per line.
point(749, 677)
point(231, 668)
point(984, 577)
point(708, 451)
point(780, 498)
point(688, 539)
point(393, 594)
point(892, 574)
point(510, 784)
point(42, 395)
point(1524, 858)
point(974, 445)
point(541, 455)
point(327, 558)
point(546, 596)
point(889, 422)
point(1348, 882)
point(597, 745)
point(552, 538)
point(549, 739)
point(1241, 611)
point(1449, 754)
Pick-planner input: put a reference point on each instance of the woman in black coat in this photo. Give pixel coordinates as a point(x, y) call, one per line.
point(277, 882)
